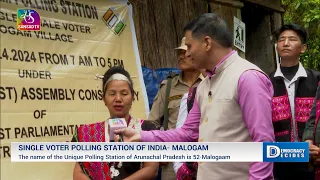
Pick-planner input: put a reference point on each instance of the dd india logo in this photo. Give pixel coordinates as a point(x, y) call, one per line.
point(28, 20)
point(286, 152)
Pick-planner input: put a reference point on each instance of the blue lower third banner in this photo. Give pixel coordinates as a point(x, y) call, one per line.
point(159, 152)
point(286, 152)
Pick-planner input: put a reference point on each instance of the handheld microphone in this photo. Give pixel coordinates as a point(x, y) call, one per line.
point(114, 124)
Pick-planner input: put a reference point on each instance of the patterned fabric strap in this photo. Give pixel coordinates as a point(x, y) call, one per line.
point(191, 96)
point(94, 133)
point(316, 131)
point(280, 108)
point(184, 173)
point(281, 114)
point(302, 108)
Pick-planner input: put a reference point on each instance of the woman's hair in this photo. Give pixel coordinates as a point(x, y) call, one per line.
point(112, 71)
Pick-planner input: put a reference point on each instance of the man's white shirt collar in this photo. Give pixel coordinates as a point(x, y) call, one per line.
point(300, 73)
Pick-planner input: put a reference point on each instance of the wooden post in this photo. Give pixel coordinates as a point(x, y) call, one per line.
point(159, 28)
point(274, 5)
point(232, 3)
point(277, 22)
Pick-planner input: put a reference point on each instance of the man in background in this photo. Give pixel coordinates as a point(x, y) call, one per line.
point(186, 170)
point(294, 91)
point(165, 108)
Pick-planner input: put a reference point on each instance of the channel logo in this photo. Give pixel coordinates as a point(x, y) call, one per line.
point(286, 152)
point(28, 20)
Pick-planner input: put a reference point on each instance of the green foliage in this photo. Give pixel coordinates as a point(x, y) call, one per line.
point(307, 14)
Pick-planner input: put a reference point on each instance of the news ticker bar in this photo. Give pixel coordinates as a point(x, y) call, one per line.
point(160, 152)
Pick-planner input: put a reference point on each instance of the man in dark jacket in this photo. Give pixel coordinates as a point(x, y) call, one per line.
point(294, 91)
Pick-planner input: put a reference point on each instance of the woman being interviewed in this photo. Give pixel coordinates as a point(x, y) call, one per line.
point(118, 97)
